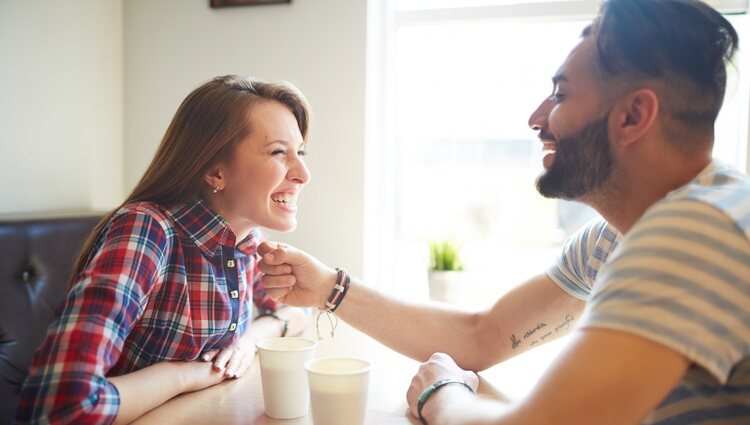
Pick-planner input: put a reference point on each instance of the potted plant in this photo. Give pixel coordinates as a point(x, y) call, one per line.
point(446, 275)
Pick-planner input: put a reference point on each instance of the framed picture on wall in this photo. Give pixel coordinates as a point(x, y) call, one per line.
point(230, 3)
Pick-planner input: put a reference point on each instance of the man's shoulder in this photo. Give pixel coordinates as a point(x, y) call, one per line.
point(717, 184)
point(717, 191)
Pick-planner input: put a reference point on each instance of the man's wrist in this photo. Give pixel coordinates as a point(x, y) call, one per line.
point(435, 391)
point(340, 288)
point(325, 289)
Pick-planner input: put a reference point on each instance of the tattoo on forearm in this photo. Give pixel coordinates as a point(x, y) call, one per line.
point(531, 331)
point(515, 342)
point(565, 325)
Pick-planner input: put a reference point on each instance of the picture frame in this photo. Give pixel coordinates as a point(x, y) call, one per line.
point(233, 3)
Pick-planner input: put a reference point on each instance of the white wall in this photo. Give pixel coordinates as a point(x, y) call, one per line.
point(87, 89)
point(60, 105)
point(172, 46)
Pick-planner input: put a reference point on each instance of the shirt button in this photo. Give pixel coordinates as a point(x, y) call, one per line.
point(230, 264)
point(232, 327)
point(235, 294)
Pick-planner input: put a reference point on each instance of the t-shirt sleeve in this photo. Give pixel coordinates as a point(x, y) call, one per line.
point(573, 271)
point(680, 278)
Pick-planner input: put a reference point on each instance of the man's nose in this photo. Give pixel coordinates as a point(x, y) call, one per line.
point(538, 118)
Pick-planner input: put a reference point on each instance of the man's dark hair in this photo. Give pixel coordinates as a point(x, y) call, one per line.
point(683, 44)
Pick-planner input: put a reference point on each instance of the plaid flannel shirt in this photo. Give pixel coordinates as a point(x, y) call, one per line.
point(162, 284)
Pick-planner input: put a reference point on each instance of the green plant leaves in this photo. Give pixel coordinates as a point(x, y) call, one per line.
point(445, 255)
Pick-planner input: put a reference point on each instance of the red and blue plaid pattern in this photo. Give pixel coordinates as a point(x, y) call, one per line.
point(159, 287)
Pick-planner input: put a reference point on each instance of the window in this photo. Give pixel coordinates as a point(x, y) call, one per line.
point(449, 150)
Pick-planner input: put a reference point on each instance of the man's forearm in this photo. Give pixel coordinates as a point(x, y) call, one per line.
point(530, 315)
point(414, 330)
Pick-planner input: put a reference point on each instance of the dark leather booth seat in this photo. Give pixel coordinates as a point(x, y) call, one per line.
point(36, 256)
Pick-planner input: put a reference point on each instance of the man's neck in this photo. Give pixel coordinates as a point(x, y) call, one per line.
point(625, 200)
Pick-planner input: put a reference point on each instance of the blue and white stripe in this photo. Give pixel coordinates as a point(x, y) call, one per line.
point(681, 277)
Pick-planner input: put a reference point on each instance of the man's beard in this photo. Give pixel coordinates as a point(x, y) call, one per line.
point(582, 163)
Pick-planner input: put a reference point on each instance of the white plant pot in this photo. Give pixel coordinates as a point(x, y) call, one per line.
point(448, 286)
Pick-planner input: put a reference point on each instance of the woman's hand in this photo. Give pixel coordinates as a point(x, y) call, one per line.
point(439, 366)
point(294, 277)
point(233, 360)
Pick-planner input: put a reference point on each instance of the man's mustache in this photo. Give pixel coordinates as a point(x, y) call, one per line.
point(546, 136)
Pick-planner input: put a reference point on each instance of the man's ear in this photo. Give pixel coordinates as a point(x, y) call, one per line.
point(635, 115)
point(214, 178)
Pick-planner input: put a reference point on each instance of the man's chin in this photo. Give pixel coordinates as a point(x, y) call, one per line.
point(550, 184)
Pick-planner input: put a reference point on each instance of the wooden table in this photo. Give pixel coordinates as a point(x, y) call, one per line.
point(240, 401)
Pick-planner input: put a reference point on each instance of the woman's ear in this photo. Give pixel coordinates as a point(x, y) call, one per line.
point(214, 178)
point(635, 116)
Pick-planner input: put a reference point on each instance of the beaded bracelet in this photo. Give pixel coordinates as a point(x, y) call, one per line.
point(430, 390)
point(285, 322)
point(338, 293)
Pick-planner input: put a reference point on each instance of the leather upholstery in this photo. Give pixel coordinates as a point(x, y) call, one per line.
point(36, 256)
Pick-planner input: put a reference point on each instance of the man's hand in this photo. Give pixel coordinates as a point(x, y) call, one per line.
point(294, 277)
point(439, 366)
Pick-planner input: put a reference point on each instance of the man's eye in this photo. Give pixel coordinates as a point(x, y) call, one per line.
point(557, 96)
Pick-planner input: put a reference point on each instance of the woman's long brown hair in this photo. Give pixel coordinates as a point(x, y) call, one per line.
point(204, 131)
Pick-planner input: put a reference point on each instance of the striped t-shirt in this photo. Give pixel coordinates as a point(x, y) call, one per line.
point(680, 277)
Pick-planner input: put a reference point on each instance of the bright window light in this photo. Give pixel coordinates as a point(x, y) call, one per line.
point(457, 156)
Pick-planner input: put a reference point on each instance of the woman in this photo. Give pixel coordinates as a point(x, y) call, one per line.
point(166, 278)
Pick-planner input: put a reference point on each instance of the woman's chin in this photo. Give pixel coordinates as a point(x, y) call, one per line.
point(283, 227)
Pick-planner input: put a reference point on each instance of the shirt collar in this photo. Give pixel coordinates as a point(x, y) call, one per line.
point(208, 230)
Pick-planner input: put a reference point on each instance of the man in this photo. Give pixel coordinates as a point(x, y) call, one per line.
point(664, 281)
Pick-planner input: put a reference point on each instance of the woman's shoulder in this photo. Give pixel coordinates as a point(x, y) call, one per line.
point(144, 213)
point(149, 208)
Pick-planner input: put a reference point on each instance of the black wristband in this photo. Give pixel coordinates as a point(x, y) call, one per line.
point(273, 314)
point(430, 390)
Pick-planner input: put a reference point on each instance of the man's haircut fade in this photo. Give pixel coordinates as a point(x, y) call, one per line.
point(684, 43)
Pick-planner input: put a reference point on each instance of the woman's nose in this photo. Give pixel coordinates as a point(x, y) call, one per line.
point(299, 172)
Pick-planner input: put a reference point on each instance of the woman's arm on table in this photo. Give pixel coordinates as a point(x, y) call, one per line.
point(152, 386)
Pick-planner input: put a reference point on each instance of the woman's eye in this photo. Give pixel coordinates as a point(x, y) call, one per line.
point(301, 153)
point(278, 152)
point(557, 96)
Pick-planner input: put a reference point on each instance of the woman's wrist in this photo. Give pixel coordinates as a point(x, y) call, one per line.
point(184, 372)
point(281, 321)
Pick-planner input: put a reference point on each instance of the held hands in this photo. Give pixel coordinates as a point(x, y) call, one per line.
point(439, 367)
point(294, 277)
